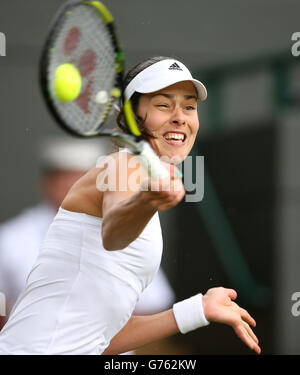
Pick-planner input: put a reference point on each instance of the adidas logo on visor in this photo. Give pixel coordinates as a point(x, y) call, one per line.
point(175, 66)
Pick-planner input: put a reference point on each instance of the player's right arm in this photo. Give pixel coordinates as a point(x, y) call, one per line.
point(126, 213)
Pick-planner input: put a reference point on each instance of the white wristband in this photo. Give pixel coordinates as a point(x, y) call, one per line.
point(189, 314)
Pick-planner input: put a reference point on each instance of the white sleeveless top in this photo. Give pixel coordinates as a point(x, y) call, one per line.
point(79, 295)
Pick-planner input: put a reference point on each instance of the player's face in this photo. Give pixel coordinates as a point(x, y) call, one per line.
point(171, 116)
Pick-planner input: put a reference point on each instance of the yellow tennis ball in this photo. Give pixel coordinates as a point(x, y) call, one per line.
point(67, 82)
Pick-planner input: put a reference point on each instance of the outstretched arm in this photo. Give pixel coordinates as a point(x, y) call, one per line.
point(218, 306)
point(142, 330)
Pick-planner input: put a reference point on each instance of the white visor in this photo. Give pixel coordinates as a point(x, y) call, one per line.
point(160, 75)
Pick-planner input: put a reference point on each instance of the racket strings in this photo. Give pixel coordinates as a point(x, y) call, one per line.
point(84, 41)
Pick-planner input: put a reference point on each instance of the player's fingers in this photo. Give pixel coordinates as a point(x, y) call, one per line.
point(173, 170)
point(162, 185)
point(247, 317)
point(232, 294)
point(165, 206)
point(242, 333)
point(250, 332)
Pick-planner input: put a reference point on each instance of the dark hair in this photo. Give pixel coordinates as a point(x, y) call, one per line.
point(146, 134)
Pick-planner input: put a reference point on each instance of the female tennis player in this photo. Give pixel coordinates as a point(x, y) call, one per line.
point(104, 247)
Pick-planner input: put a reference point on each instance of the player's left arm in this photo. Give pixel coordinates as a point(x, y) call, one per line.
point(218, 306)
point(142, 330)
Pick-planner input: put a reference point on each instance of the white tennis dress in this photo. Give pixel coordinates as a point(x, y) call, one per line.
point(79, 295)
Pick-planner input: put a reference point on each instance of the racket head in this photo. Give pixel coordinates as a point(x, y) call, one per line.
point(83, 34)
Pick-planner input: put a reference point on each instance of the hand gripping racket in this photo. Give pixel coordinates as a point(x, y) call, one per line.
point(81, 75)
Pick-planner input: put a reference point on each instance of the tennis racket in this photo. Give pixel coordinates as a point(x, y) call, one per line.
point(81, 75)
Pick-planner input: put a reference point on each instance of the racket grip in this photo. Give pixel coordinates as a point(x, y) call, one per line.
point(150, 161)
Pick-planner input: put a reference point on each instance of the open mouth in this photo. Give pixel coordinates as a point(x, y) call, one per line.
point(175, 138)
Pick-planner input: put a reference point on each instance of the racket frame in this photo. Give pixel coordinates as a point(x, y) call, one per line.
point(134, 141)
point(46, 55)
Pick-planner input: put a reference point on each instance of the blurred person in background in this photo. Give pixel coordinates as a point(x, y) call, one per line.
point(62, 162)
